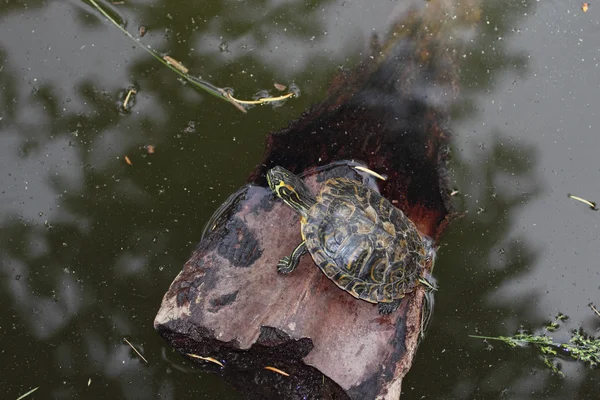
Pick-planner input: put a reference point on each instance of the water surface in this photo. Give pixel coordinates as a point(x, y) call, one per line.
point(90, 243)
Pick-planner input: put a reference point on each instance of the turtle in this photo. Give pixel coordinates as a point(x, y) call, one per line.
point(356, 237)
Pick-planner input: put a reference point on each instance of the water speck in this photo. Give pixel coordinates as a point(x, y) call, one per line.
point(190, 128)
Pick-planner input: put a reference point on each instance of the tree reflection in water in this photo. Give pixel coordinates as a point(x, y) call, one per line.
point(90, 244)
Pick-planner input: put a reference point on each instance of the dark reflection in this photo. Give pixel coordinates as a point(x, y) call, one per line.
point(471, 271)
point(89, 244)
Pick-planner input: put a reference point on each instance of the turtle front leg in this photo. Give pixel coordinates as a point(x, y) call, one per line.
point(287, 264)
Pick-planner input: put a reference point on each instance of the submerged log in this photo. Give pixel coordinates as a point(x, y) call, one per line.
point(298, 336)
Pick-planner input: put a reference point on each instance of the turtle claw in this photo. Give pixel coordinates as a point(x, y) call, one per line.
point(388, 308)
point(284, 266)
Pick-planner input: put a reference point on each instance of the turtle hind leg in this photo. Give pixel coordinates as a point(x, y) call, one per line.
point(288, 264)
point(388, 308)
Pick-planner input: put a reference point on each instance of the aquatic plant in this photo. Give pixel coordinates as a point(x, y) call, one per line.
point(175, 66)
point(581, 346)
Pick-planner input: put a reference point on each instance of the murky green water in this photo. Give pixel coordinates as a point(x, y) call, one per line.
point(90, 244)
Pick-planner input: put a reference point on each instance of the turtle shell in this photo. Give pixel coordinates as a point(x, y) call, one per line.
point(363, 243)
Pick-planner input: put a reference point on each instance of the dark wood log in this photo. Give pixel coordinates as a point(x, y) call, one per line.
point(230, 304)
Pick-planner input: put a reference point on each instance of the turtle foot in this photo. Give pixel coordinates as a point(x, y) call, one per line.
point(388, 308)
point(284, 266)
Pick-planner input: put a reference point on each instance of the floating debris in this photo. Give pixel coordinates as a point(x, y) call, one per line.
point(224, 47)
point(454, 192)
point(178, 68)
point(589, 203)
point(89, 382)
point(260, 101)
point(280, 87)
point(128, 161)
point(150, 148)
point(134, 349)
point(128, 97)
point(581, 346)
point(142, 30)
point(277, 370)
point(28, 393)
point(176, 64)
point(594, 309)
point(585, 7)
point(210, 359)
point(370, 172)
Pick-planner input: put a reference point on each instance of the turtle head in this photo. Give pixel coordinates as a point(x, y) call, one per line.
point(291, 189)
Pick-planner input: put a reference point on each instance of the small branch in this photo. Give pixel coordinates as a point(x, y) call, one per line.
point(28, 393)
point(134, 349)
point(592, 204)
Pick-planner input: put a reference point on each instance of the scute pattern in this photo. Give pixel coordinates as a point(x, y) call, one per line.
point(363, 243)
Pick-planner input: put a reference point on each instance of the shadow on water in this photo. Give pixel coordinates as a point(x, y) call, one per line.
point(90, 244)
point(476, 259)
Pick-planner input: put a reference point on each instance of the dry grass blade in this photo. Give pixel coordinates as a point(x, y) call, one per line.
point(261, 101)
point(176, 64)
point(584, 201)
point(594, 309)
point(131, 91)
point(28, 393)
point(209, 359)
point(134, 349)
point(277, 370)
point(182, 71)
point(370, 172)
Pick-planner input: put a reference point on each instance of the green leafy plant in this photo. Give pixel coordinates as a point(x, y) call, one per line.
point(581, 346)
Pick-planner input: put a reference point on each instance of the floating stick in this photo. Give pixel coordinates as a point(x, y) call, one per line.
point(370, 172)
point(589, 203)
point(134, 349)
point(277, 370)
point(210, 359)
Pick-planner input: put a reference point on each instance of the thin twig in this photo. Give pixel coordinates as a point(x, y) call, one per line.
point(589, 203)
point(261, 101)
point(277, 370)
point(370, 172)
point(208, 88)
point(210, 359)
point(134, 349)
point(28, 393)
point(594, 309)
point(131, 91)
point(180, 70)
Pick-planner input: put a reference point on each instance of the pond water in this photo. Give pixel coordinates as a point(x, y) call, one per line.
point(89, 243)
